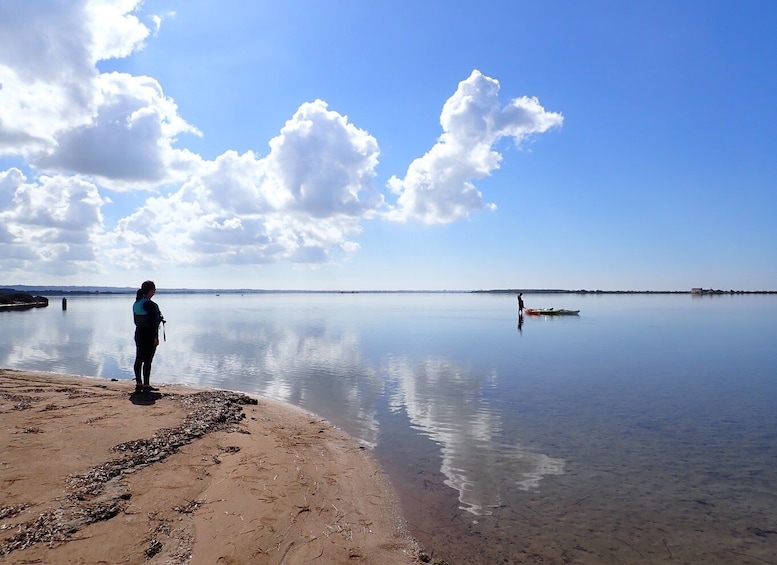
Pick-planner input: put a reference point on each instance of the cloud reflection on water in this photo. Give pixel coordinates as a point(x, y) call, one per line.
point(307, 357)
point(445, 402)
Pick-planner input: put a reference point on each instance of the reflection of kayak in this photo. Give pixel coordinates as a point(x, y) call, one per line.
point(551, 312)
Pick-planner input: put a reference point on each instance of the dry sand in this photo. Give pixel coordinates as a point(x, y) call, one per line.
point(91, 473)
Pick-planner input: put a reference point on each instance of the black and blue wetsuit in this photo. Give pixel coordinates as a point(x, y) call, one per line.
point(147, 319)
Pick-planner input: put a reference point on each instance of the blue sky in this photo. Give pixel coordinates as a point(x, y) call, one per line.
point(389, 145)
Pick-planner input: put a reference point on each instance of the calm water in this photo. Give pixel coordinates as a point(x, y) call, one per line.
point(642, 431)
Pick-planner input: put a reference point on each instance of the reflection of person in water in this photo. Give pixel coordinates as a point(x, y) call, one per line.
point(520, 324)
point(147, 319)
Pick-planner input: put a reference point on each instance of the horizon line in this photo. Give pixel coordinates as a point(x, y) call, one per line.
point(128, 289)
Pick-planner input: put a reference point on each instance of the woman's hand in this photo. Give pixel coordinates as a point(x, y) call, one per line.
point(156, 342)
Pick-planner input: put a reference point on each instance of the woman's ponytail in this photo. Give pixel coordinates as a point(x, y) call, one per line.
point(144, 289)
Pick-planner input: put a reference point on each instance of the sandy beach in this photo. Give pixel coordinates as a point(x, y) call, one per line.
point(93, 473)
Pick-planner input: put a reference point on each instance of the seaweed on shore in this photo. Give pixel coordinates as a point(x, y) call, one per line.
point(22, 401)
point(89, 498)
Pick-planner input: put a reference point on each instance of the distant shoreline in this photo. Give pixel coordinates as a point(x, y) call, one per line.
point(91, 290)
point(694, 292)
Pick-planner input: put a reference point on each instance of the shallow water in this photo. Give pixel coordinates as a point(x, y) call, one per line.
point(641, 431)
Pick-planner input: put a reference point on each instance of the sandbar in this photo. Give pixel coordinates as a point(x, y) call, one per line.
point(91, 472)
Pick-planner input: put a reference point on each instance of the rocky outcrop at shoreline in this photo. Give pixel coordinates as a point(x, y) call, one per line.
point(12, 300)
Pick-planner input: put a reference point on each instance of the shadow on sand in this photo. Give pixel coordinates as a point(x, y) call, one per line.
point(144, 398)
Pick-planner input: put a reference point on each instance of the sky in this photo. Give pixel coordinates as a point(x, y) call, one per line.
point(402, 145)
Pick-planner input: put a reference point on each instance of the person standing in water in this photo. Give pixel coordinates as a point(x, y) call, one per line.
point(520, 304)
point(147, 319)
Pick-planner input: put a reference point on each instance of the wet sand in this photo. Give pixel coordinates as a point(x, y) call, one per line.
point(93, 473)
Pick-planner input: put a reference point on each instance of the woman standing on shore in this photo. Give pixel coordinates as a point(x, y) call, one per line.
point(147, 319)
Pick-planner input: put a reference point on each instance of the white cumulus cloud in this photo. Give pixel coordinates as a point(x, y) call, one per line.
point(129, 140)
point(438, 187)
point(54, 219)
point(302, 203)
point(62, 115)
point(71, 133)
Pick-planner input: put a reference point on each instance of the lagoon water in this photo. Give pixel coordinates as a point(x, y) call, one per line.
point(643, 430)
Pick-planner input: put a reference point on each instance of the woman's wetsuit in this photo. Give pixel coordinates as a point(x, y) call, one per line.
point(147, 319)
